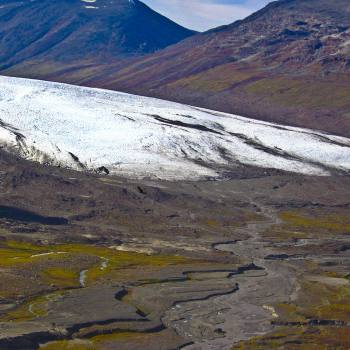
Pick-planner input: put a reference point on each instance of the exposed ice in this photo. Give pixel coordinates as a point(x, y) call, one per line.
point(85, 128)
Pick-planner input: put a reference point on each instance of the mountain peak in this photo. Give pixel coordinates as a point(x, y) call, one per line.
point(81, 31)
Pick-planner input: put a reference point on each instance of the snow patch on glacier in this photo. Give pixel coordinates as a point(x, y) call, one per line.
point(84, 129)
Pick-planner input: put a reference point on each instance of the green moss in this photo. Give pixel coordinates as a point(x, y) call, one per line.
point(298, 224)
point(15, 253)
point(326, 302)
point(301, 338)
point(116, 337)
point(30, 310)
point(119, 260)
point(97, 342)
point(60, 265)
point(60, 277)
point(69, 345)
point(330, 223)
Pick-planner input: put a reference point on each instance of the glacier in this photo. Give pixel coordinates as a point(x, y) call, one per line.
point(88, 129)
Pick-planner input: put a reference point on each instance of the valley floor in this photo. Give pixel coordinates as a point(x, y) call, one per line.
point(94, 262)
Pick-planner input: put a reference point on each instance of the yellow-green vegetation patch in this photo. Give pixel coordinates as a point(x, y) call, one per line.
point(120, 260)
point(61, 277)
point(114, 337)
point(104, 260)
point(213, 223)
point(290, 312)
point(280, 233)
point(317, 301)
point(58, 267)
point(14, 253)
point(226, 219)
point(301, 224)
point(330, 223)
point(301, 338)
point(70, 345)
point(96, 343)
point(37, 307)
point(294, 92)
point(325, 302)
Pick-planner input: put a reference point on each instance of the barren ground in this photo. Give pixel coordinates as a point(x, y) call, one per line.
point(259, 261)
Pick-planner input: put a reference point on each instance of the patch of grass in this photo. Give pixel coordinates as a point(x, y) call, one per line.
point(325, 302)
point(10, 257)
point(70, 345)
point(119, 260)
point(316, 301)
point(292, 92)
point(15, 253)
point(57, 267)
point(60, 277)
point(97, 342)
point(302, 338)
point(290, 312)
point(330, 223)
point(37, 307)
point(298, 224)
point(116, 337)
point(278, 233)
point(213, 223)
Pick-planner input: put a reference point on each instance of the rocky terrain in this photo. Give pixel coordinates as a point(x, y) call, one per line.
point(96, 262)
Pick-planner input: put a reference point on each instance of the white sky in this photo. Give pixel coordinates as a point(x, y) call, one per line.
point(205, 14)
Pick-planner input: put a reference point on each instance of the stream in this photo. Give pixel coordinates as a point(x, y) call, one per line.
point(225, 320)
point(83, 273)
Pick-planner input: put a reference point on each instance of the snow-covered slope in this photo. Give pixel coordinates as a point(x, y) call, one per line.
point(86, 128)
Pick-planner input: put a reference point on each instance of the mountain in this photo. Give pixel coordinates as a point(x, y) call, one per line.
point(111, 132)
point(41, 36)
point(287, 63)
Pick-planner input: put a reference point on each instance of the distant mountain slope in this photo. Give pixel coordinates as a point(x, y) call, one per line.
point(45, 35)
point(289, 63)
point(91, 129)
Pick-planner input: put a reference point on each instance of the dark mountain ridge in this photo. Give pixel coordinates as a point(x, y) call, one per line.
point(65, 32)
